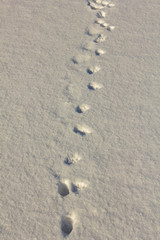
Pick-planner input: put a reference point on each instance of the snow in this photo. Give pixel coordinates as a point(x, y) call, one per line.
point(112, 175)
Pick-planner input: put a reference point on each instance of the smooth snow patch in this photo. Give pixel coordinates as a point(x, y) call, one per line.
point(81, 58)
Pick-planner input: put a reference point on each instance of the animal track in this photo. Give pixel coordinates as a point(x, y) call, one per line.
point(104, 24)
point(99, 52)
point(67, 224)
point(104, 3)
point(82, 108)
point(95, 6)
point(97, 1)
point(101, 14)
point(99, 4)
point(94, 86)
point(110, 5)
point(73, 159)
point(94, 69)
point(64, 187)
point(78, 185)
point(82, 129)
point(99, 21)
point(100, 38)
point(110, 28)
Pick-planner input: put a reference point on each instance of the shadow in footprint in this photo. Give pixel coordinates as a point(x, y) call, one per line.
point(90, 87)
point(76, 130)
point(95, 86)
point(89, 71)
point(66, 225)
point(78, 185)
point(63, 189)
point(72, 159)
point(78, 110)
point(67, 161)
point(74, 189)
point(74, 61)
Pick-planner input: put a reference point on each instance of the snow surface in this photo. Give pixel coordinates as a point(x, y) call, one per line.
point(55, 181)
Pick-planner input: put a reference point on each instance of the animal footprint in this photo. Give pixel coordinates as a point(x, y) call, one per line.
point(67, 223)
point(100, 38)
point(94, 86)
point(110, 28)
point(101, 14)
point(64, 187)
point(73, 159)
point(110, 5)
point(95, 6)
point(82, 108)
point(104, 24)
point(104, 3)
point(99, 21)
point(82, 129)
point(97, 1)
point(94, 69)
point(99, 52)
point(78, 185)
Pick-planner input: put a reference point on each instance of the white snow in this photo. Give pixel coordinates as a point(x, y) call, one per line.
point(57, 180)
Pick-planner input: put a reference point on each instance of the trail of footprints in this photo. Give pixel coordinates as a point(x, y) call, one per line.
point(65, 186)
